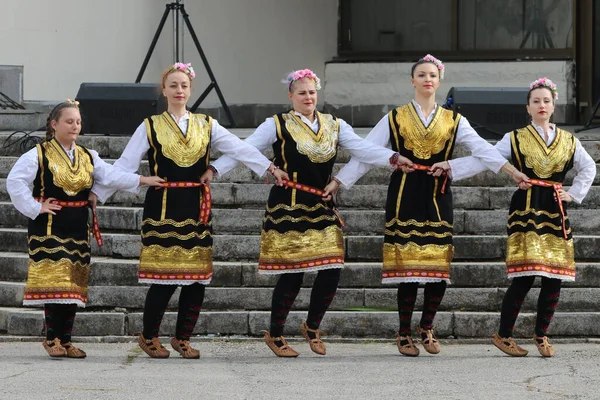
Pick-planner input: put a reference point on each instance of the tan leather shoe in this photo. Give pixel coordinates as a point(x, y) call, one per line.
point(408, 349)
point(545, 348)
point(316, 344)
point(74, 352)
point(184, 348)
point(280, 351)
point(54, 348)
point(152, 347)
point(429, 342)
point(508, 346)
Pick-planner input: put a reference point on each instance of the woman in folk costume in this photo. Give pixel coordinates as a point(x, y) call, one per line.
point(418, 231)
point(301, 229)
point(176, 227)
point(61, 174)
point(540, 242)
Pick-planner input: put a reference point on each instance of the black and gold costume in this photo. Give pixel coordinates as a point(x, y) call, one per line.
point(536, 239)
point(300, 231)
point(418, 231)
point(59, 245)
point(176, 245)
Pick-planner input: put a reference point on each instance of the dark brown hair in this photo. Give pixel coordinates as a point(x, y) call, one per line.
point(539, 87)
point(415, 65)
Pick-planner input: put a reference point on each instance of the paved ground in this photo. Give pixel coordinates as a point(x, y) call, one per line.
point(247, 370)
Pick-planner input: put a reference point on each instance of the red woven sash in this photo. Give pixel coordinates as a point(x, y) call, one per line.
point(312, 190)
point(556, 186)
point(79, 204)
point(205, 204)
point(419, 167)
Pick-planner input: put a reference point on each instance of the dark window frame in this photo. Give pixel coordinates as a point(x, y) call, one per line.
point(345, 53)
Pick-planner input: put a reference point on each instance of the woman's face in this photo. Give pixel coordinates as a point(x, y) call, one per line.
point(304, 96)
point(177, 88)
point(541, 104)
point(426, 79)
point(68, 126)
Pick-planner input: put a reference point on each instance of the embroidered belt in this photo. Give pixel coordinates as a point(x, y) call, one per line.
point(419, 167)
point(312, 190)
point(205, 204)
point(79, 204)
point(556, 187)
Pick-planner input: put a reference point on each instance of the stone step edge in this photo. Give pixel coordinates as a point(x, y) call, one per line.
point(457, 324)
point(292, 339)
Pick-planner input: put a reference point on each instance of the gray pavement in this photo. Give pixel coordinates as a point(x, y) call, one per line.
point(246, 369)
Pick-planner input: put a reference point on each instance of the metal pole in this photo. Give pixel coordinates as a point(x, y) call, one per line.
point(153, 44)
point(175, 34)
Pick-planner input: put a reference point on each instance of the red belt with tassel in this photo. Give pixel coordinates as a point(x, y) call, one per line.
point(206, 203)
point(79, 204)
point(309, 189)
point(556, 187)
point(419, 167)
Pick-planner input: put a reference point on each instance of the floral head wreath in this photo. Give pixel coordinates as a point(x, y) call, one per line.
point(436, 62)
point(74, 102)
point(545, 83)
point(299, 75)
point(187, 68)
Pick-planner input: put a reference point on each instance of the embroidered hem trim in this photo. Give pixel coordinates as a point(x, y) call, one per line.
point(175, 282)
point(292, 270)
point(396, 280)
point(567, 278)
point(53, 301)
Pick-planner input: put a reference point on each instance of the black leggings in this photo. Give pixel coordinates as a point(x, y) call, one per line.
point(513, 300)
point(190, 304)
point(407, 296)
point(59, 319)
point(288, 287)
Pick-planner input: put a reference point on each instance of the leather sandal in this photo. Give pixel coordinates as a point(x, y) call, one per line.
point(408, 349)
point(54, 348)
point(280, 351)
point(184, 348)
point(152, 347)
point(74, 352)
point(316, 344)
point(545, 348)
point(508, 346)
point(429, 342)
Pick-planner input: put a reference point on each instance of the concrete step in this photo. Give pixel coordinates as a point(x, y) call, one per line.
point(463, 299)
point(380, 324)
point(376, 176)
point(113, 146)
point(123, 272)
point(358, 222)
point(254, 195)
point(19, 120)
point(358, 248)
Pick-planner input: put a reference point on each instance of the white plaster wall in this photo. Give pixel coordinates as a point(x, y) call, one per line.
point(250, 44)
point(389, 83)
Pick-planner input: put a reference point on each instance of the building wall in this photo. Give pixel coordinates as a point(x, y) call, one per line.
point(250, 44)
point(370, 89)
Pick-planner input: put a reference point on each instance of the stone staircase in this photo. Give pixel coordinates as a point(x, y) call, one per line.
point(238, 300)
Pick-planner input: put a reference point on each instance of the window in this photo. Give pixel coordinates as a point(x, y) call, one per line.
point(380, 29)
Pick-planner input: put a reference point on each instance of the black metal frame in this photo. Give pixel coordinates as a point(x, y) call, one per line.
point(345, 52)
point(179, 8)
point(596, 74)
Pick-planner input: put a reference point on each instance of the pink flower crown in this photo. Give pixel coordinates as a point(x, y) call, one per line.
point(299, 75)
point(545, 83)
point(187, 68)
point(438, 64)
